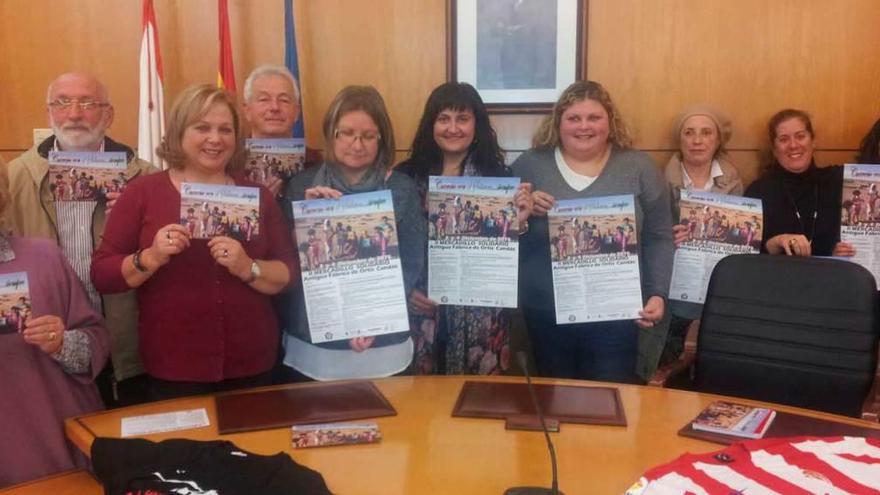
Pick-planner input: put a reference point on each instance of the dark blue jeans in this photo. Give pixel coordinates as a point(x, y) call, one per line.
point(604, 351)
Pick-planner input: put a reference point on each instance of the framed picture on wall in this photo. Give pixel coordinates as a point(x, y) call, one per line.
point(519, 54)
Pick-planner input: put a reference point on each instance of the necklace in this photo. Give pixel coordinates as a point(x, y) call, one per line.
point(797, 211)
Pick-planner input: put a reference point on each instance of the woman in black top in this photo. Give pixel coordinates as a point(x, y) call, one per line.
point(801, 201)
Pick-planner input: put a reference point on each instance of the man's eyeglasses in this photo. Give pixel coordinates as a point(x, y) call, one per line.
point(348, 136)
point(84, 105)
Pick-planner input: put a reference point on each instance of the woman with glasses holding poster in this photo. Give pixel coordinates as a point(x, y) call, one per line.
point(582, 150)
point(359, 153)
point(206, 322)
point(455, 138)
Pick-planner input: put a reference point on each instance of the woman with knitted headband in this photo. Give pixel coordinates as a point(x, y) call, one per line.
point(702, 133)
point(700, 164)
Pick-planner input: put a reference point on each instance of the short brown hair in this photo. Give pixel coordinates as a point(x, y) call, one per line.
point(369, 101)
point(788, 114)
point(769, 159)
point(547, 135)
point(191, 105)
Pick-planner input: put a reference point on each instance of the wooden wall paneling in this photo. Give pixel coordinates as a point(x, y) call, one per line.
point(398, 46)
point(41, 39)
point(751, 58)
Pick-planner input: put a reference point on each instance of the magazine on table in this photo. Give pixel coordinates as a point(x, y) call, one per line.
point(473, 241)
point(351, 270)
point(328, 434)
point(739, 420)
point(594, 253)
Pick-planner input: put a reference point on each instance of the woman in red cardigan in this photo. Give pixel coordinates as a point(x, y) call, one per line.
point(206, 322)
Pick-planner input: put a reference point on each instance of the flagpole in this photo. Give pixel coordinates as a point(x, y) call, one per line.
point(291, 61)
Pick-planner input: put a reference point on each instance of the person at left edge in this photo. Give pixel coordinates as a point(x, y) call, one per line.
point(49, 367)
point(80, 112)
point(359, 152)
point(206, 321)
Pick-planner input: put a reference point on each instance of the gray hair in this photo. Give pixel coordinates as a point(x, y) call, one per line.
point(269, 70)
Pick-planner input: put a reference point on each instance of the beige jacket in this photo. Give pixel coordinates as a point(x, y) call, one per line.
point(31, 213)
point(729, 183)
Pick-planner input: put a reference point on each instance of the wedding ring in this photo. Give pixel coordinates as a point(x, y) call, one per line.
point(225, 253)
point(792, 241)
point(51, 336)
point(170, 241)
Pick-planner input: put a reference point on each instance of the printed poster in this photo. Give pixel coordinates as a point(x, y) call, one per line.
point(15, 302)
point(860, 218)
point(351, 271)
point(594, 253)
point(718, 225)
point(86, 176)
point(209, 210)
point(269, 159)
point(473, 241)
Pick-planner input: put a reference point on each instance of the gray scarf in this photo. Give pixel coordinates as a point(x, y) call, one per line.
point(329, 175)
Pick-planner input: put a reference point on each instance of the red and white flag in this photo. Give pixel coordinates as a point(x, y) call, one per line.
point(151, 110)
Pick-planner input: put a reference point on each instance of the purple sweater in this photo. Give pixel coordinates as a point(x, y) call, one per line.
point(36, 395)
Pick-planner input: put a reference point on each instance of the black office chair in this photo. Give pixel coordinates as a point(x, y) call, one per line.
point(792, 330)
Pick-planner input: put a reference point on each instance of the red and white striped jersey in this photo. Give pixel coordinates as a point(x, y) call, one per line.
point(783, 466)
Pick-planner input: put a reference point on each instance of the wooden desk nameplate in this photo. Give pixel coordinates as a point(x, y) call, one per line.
point(788, 425)
point(561, 403)
point(304, 404)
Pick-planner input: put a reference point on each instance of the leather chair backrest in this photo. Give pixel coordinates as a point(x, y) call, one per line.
point(792, 330)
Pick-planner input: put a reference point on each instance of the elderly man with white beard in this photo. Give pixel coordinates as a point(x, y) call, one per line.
point(80, 112)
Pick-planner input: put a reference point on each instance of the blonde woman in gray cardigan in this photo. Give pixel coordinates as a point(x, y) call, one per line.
point(583, 150)
point(700, 164)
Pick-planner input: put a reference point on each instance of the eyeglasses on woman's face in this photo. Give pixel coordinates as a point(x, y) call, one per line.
point(348, 136)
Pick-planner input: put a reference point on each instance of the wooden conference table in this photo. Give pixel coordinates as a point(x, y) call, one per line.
point(426, 451)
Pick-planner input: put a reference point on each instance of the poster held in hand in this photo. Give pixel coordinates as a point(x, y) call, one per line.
point(85, 175)
point(860, 214)
point(473, 241)
point(594, 254)
point(718, 226)
point(351, 270)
